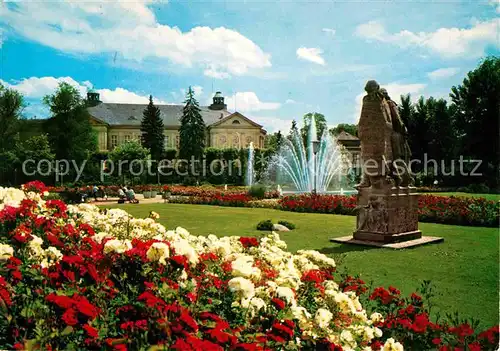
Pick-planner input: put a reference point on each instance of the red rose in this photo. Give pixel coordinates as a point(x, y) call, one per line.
point(91, 331)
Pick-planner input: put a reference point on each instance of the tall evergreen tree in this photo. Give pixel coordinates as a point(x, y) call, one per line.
point(70, 133)
point(192, 130)
point(152, 130)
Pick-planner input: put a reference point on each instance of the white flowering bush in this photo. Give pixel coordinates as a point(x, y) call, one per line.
point(74, 277)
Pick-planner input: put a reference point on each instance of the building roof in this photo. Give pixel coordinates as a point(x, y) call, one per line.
point(343, 135)
point(131, 114)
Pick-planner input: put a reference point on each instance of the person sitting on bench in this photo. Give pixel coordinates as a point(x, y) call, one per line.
point(121, 196)
point(131, 196)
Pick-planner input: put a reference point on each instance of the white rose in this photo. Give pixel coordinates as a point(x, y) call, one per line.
point(158, 252)
point(6, 252)
point(242, 287)
point(392, 345)
point(376, 317)
point(323, 317)
point(118, 246)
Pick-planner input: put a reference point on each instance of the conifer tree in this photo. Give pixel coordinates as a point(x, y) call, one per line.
point(152, 130)
point(192, 130)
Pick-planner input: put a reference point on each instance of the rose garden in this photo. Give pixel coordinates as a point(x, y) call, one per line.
point(218, 265)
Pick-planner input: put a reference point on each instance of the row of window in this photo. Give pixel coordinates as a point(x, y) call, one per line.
point(129, 137)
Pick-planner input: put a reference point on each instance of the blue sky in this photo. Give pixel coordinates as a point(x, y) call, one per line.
point(273, 60)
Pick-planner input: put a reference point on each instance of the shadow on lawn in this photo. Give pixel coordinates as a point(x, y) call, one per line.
point(344, 248)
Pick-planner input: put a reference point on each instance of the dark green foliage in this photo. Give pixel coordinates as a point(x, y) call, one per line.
point(293, 130)
point(265, 225)
point(321, 125)
point(152, 130)
point(349, 128)
point(192, 130)
point(126, 153)
point(287, 224)
point(257, 191)
point(477, 102)
point(11, 105)
point(274, 141)
point(69, 131)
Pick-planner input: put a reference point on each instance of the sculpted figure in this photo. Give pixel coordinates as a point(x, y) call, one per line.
point(399, 144)
point(375, 130)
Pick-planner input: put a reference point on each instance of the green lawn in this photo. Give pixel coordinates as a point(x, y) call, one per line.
point(464, 268)
point(495, 197)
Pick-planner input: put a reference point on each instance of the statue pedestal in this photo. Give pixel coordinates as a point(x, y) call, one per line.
point(387, 217)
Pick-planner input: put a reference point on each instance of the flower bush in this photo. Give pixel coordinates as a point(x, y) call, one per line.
point(77, 277)
point(434, 209)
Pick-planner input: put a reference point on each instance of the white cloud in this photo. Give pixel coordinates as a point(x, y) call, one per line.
point(495, 3)
point(311, 54)
point(249, 101)
point(442, 73)
point(214, 72)
point(447, 42)
point(38, 87)
point(124, 96)
point(329, 31)
point(131, 31)
point(290, 101)
point(395, 90)
point(273, 124)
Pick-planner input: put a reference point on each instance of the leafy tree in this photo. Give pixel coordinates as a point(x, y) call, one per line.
point(348, 128)
point(477, 104)
point(273, 141)
point(132, 156)
point(418, 130)
point(441, 130)
point(321, 125)
point(35, 148)
point(293, 130)
point(11, 105)
point(70, 133)
point(192, 130)
point(152, 130)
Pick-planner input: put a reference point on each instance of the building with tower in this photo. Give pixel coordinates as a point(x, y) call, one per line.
point(116, 123)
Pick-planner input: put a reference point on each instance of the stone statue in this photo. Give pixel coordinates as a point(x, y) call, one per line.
point(399, 144)
point(375, 131)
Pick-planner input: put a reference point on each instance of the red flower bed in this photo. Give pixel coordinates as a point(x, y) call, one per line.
point(434, 209)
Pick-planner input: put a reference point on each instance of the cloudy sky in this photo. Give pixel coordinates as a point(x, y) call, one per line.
point(273, 60)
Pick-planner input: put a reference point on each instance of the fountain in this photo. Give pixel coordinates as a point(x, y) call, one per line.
point(305, 167)
point(250, 172)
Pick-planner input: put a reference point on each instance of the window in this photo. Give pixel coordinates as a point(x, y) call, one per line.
point(177, 141)
point(128, 137)
point(355, 159)
point(236, 122)
point(167, 141)
point(114, 141)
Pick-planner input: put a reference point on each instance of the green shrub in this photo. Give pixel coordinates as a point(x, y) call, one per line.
point(53, 196)
point(257, 191)
point(478, 188)
point(265, 225)
point(287, 224)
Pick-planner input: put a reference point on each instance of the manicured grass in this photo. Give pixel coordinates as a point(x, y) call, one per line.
point(495, 197)
point(464, 269)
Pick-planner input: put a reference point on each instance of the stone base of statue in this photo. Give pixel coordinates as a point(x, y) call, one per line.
point(387, 217)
